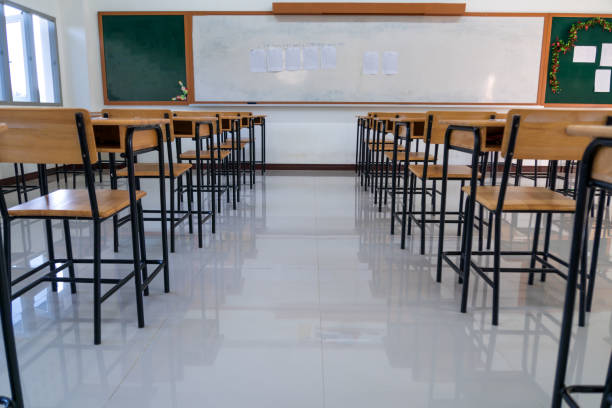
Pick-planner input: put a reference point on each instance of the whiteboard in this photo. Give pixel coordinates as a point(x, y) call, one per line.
point(468, 59)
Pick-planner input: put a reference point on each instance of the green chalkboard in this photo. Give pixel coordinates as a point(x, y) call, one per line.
point(577, 80)
point(144, 57)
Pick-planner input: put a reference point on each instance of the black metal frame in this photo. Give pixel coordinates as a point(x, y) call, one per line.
point(410, 189)
point(141, 276)
point(585, 188)
point(10, 349)
point(465, 254)
point(21, 186)
point(261, 162)
point(174, 199)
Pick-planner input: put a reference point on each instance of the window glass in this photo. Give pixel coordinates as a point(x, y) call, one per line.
point(28, 57)
point(15, 36)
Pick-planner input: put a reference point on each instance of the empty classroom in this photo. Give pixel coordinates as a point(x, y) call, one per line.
point(305, 204)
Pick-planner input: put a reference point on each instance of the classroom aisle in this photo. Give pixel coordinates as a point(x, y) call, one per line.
point(303, 299)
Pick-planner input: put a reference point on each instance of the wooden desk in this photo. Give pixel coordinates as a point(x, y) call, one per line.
point(184, 126)
point(225, 122)
point(3, 127)
point(110, 134)
point(491, 133)
point(258, 119)
point(417, 125)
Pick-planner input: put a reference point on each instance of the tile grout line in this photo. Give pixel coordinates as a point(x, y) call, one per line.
point(129, 371)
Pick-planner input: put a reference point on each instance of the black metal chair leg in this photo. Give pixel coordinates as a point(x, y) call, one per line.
point(10, 349)
point(534, 249)
point(97, 289)
point(422, 222)
point(23, 182)
point(189, 175)
point(496, 272)
point(68, 241)
point(142, 246)
point(467, 255)
point(6, 226)
point(404, 205)
point(51, 252)
point(595, 252)
point(411, 187)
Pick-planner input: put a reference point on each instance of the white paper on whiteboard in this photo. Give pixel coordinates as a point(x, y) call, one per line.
point(602, 80)
point(257, 60)
point(585, 53)
point(370, 63)
point(606, 55)
point(328, 57)
point(293, 58)
point(311, 58)
point(390, 63)
point(275, 59)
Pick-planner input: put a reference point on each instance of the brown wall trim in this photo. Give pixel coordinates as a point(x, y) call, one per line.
point(437, 9)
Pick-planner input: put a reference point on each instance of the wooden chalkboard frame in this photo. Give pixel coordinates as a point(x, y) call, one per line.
point(188, 57)
point(546, 41)
point(188, 15)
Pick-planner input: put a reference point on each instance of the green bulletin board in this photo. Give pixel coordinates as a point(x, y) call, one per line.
point(576, 80)
point(144, 57)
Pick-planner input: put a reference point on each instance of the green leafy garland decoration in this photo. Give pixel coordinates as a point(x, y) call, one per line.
point(184, 92)
point(560, 46)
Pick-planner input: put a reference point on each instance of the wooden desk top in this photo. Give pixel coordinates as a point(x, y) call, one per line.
point(110, 134)
point(128, 122)
point(492, 131)
point(3, 127)
point(195, 118)
point(590, 131)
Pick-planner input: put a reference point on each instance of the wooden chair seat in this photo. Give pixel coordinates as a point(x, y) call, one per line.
point(204, 155)
point(152, 170)
point(520, 198)
point(434, 171)
point(228, 145)
point(74, 203)
point(413, 156)
point(387, 146)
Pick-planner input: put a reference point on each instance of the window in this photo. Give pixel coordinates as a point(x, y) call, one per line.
point(29, 69)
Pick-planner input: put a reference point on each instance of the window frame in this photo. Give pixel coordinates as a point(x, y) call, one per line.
point(6, 94)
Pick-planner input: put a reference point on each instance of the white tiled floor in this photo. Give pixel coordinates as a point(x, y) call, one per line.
point(303, 299)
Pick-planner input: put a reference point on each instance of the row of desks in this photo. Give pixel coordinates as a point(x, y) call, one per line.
point(110, 133)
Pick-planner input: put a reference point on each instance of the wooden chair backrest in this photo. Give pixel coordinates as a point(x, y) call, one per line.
point(541, 133)
point(44, 136)
point(127, 113)
point(602, 167)
point(438, 130)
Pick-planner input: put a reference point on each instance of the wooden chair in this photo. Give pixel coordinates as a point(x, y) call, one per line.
point(434, 135)
point(530, 134)
point(595, 173)
point(398, 158)
point(172, 172)
point(52, 135)
point(202, 127)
